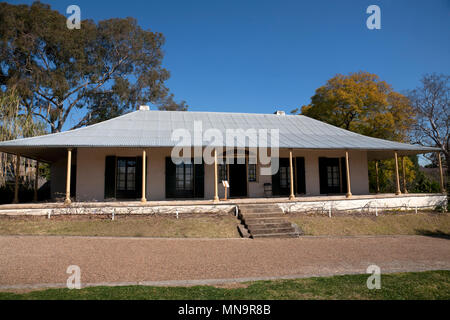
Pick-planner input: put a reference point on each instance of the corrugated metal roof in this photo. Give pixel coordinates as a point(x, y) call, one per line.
point(154, 129)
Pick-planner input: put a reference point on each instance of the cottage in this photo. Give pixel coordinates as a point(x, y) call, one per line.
point(132, 157)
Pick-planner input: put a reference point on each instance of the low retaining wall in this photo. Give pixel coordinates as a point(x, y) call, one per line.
point(323, 205)
point(406, 202)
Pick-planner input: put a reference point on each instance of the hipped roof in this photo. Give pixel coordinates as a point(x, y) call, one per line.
point(148, 128)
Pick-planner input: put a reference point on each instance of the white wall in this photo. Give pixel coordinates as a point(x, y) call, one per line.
point(366, 204)
point(91, 170)
point(370, 205)
point(359, 175)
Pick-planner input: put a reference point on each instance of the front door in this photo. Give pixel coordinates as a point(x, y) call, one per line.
point(126, 178)
point(184, 180)
point(281, 181)
point(332, 175)
point(238, 180)
point(300, 180)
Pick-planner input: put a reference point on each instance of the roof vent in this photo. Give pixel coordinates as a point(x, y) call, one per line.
point(146, 108)
point(280, 113)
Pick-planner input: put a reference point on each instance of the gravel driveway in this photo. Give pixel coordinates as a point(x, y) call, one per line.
point(27, 261)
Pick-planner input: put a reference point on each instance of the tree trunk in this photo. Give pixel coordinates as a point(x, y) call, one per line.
point(2, 172)
point(447, 176)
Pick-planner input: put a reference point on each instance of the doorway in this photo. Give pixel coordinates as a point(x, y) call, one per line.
point(332, 175)
point(282, 179)
point(238, 180)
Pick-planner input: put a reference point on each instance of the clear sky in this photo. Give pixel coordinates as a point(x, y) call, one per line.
point(261, 56)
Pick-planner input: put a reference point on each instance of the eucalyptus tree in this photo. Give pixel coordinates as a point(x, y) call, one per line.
point(84, 75)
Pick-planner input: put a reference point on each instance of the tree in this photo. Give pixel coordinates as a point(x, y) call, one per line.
point(14, 124)
point(431, 102)
point(416, 180)
point(362, 103)
point(103, 69)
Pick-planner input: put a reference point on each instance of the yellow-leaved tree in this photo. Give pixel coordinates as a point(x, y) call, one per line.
point(361, 102)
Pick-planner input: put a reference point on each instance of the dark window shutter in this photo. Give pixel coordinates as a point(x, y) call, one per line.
point(285, 191)
point(138, 177)
point(300, 175)
point(73, 181)
point(343, 175)
point(323, 175)
point(199, 181)
point(170, 178)
point(276, 182)
point(110, 177)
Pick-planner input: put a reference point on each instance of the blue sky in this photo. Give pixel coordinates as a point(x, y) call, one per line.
point(261, 56)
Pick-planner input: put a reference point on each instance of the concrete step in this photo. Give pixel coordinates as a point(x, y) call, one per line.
point(258, 205)
point(258, 210)
point(251, 221)
point(261, 215)
point(275, 235)
point(266, 221)
point(271, 230)
point(269, 225)
point(243, 231)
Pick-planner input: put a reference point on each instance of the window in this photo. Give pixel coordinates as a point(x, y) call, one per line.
point(333, 176)
point(252, 172)
point(184, 177)
point(284, 177)
point(126, 174)
point(223, 172)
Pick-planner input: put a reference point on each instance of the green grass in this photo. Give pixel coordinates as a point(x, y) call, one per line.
point(123, 226)
point(387, 224)
point(412, 285)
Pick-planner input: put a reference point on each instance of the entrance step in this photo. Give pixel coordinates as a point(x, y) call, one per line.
point(243, 231)
point(271, 230)
point(261, 215)
point(276, 235)
point(258, 205)
point(249, 221)
point(260, 210)
point(269, 225)
point(266, 221)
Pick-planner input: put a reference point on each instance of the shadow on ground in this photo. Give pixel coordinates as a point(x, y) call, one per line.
point(434, 234)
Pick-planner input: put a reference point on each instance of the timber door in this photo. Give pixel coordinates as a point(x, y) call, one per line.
point(127, 179)
point(123, 177)
point(332, 175)
point(238, 180)
point(299, 170)
point(281, 180)
point(184, 180)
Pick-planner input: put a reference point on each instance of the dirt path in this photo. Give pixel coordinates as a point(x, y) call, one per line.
point(31, 260)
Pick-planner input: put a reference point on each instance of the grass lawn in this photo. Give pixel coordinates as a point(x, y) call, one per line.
point(387, 224)
point(131, 226)
point(412, 285)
